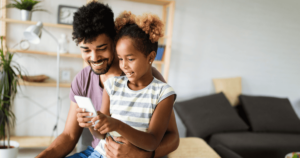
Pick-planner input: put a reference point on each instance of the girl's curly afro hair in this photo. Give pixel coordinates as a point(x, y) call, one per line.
point(144, 30)
point(92, 20)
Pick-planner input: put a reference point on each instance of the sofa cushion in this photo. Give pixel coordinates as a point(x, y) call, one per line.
point(258, 145)
point(225, 152)
point(206, 115)
point(269, 114)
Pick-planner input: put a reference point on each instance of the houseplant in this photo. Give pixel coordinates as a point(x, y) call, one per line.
point(8, 90)
point(26, 7)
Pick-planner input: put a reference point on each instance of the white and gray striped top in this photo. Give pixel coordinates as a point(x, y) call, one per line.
point(134, 108)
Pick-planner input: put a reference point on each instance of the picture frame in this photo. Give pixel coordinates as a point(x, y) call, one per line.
point(65, 14)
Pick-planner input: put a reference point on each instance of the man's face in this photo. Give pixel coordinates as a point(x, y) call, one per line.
point(99, 54)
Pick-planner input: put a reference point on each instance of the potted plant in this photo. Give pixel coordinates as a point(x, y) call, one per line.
point(26, 7)
point(8, 90)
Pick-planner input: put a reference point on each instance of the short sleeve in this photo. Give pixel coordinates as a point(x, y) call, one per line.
point(108, 85)
point(75, 88)
point(167, 91)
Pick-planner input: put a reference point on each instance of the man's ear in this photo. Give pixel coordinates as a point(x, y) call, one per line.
point(152, 56)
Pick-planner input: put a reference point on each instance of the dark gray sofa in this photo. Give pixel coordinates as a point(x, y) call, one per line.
point(260, 127)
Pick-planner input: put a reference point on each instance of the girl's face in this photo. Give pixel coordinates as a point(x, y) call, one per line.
point(132, 62)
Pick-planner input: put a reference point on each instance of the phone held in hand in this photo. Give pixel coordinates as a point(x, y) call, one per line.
point(86, 103)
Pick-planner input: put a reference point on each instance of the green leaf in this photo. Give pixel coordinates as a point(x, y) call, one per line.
point(9, 71)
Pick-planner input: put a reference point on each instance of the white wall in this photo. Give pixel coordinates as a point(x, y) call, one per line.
point(257, 40)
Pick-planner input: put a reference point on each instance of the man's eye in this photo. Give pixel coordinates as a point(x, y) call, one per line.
point(130, 59)
point(120, 59)
point(101, 49)
point(86, 51)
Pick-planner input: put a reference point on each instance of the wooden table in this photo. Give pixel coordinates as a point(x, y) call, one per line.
point(193, 147)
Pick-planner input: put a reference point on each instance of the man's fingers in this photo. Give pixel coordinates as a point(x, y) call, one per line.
point(121, 139)
point(83, 114)
point(112, 145)
point(80, 110)
point(109, 154)
point(85, 124)
point(83, 120)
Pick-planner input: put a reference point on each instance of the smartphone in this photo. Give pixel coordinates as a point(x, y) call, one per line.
point(86, 103)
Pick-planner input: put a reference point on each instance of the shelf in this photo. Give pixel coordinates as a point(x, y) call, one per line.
point(33, 142)
point(34, 22)
point(46, 53)
point(47, 83)
point(158, 62)
point(158, 2)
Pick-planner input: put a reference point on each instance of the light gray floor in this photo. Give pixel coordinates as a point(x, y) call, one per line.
point(32, 152)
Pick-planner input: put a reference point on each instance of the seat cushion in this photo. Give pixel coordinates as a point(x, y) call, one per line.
point(258, 145)
point(207, 115)
point(270, 114)
point(224, 152)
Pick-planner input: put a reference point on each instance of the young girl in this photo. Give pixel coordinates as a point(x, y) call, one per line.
point(136, 106)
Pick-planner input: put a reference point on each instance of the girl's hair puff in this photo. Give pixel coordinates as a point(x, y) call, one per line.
point(152, 25)
point(144, 30)
point(124, 18)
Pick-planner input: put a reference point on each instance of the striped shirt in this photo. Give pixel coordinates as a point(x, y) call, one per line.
point(135, 108)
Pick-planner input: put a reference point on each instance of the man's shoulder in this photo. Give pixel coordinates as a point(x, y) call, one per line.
point(82, 77)
point(83, 74)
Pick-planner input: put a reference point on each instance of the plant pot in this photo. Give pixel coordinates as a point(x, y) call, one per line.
point(26, 15)
point(11, 152)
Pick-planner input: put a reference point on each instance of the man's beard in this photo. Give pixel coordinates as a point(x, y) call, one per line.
point(105, 70)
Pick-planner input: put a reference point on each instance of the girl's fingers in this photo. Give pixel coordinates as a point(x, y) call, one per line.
point(103, 129)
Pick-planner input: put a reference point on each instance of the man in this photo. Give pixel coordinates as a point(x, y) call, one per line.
point(93, 31)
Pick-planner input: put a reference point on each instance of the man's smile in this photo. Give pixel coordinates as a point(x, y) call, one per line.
point(98, 64)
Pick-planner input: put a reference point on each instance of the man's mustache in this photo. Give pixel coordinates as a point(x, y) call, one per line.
point(99, 61)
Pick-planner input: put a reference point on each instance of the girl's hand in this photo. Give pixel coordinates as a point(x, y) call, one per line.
point(106, 123)
point(81, 118)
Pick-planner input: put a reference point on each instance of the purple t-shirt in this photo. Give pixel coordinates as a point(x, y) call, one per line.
point(87, 84)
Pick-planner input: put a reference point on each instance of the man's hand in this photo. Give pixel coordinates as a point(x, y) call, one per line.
point(106, 123)
point(125, 150)
point(81, 118)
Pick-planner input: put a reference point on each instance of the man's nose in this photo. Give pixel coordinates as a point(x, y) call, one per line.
point(93, 56)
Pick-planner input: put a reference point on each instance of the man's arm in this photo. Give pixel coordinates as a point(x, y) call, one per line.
point(170, 140)
point(66, 141)
point(168, 144)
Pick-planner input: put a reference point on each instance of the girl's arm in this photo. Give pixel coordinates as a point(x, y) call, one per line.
point(146, 140)
point(104, 110)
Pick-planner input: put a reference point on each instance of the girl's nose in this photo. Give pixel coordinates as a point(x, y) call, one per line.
point(124, 64)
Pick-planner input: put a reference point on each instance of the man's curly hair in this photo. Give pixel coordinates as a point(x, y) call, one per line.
point(144, 30)
point(92, 20)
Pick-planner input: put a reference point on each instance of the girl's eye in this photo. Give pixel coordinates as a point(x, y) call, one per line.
point(130, 59)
